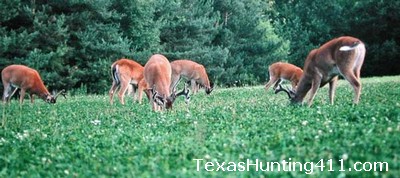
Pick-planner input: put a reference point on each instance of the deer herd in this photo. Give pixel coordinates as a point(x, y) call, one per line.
point(159, 77)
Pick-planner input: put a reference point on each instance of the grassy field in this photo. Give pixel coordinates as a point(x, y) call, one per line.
point(84, 136)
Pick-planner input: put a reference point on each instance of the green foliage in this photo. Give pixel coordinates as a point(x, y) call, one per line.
point(85, 136)
point(69, 43)
point(72, 43)
point(250, 38)
point(377, 23)
point(188, 32)
point(8, 10)
point(308, 24)
point(140, 26)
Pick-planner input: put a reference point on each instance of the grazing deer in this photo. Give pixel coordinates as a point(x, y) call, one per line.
point(126, 72)
point(283, 71)
point(157, 73)
point(194, 72)
point(340, 56)
point(28, 80)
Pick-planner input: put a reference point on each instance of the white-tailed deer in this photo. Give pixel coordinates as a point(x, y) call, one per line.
point(126, 72)
point(28, 80)
point(283, 71)
point(340, 56)
point(157, 73)
point(193, 72)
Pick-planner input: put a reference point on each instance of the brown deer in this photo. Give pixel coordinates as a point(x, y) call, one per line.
point(192, 71)
point(28, 80)
point(340, 56)
point(126, 72)
point(157, 73)
point(283, 71)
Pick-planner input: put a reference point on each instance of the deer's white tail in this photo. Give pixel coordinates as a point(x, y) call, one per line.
point(349, 48)
point(115, 74)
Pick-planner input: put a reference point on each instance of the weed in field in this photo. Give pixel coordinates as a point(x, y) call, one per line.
point(85, 136)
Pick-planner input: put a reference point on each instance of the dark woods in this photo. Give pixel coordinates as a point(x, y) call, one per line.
point(73, 43)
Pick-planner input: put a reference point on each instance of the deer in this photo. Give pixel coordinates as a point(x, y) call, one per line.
point(340, 56)
point(125, 72)
point(193, 72)
point(28, 80)
point(280, 71)
point(157, 73)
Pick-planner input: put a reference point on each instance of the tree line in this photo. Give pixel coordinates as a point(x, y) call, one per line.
point(73, 43)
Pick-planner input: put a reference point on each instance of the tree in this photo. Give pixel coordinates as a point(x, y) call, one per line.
point(250, 38)
point(307, 25)
point(73, 43)
point(377, 23)
point(188, 30)
point(70, 43)
point(141, 26)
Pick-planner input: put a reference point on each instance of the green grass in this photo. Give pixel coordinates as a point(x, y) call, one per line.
point(84, 136)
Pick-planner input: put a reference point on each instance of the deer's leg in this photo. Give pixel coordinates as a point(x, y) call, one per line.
point(12, 94)
point(357, 73)
point(174, 82)
point(294, 81)
point(6, 92)
point(148, 95)
point(155, 106)
point(314, 88)
point(356, 84)
point(332, 88)
point(271, 81)
point(198, 87)
point(352, 75)
point(122, 91)
point(293, 85)
point(22, 96)
point(31, 96)
point(112, 91)
point(134, 91)
point(359, 62)
point(194, 86)
point(140, 93)
point(153, 99)
point(124, 82)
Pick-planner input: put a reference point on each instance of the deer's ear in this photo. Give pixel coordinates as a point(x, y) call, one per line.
point(209, 89)
point(62, 92)
point(158, 99)
point(291, 94)
point(152, 92)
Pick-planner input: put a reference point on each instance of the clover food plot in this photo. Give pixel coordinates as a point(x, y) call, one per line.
point(85, 136)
